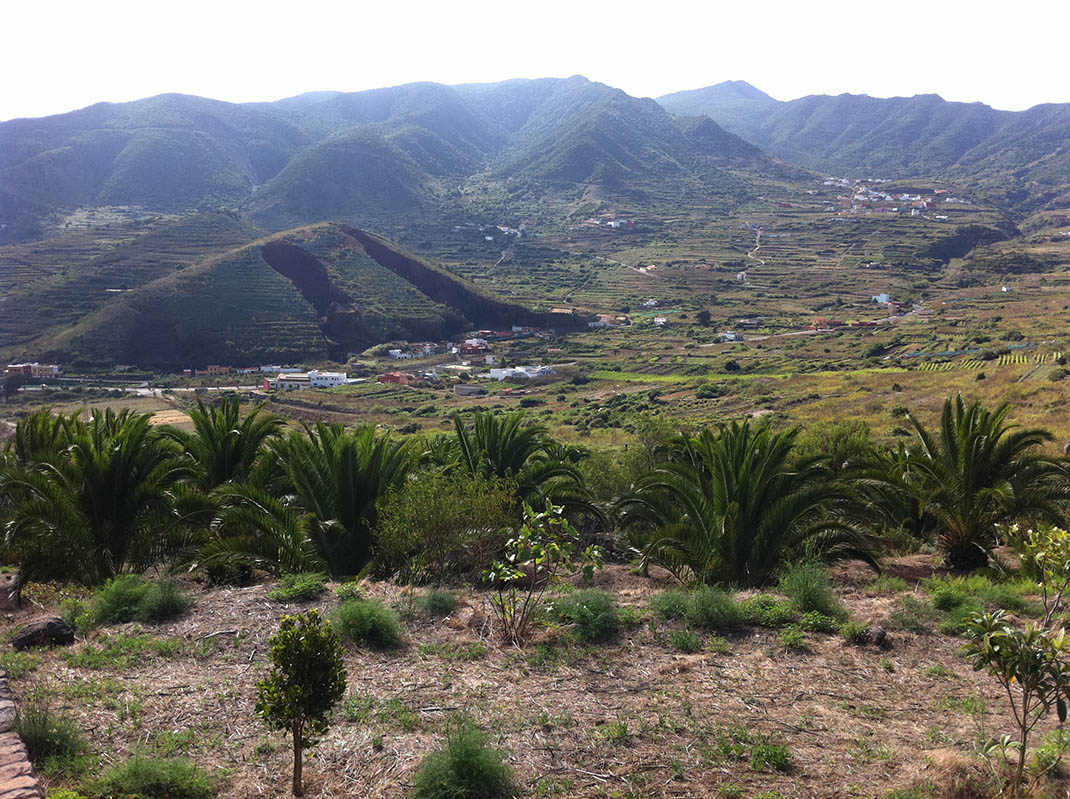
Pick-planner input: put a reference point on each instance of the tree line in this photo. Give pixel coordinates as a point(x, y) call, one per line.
point(85, 499)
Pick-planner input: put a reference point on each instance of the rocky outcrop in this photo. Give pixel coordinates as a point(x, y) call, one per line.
point(17, 777)
point(48, 631)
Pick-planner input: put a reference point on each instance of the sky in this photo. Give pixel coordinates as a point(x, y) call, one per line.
point(59, 55)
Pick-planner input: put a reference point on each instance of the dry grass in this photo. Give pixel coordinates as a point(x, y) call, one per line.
point(628, 718)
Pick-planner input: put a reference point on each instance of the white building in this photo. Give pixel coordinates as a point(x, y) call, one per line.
point(661, 321)
point(523, 372)
point(728, 335)
point(882, 299)
point(318, 379)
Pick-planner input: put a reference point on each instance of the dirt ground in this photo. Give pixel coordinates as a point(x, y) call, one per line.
point(629, 718)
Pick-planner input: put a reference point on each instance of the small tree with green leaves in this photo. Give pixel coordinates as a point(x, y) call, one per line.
point(1044, 552)
point(307, 680)
point(1030, 663)
point(544, 550)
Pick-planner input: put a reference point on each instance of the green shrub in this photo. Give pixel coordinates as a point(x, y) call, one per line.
point(793, 639)
point(349, 590)
point(63, 793)
point(77, 613)
point(686, 641)
point(300, 587)
point(766, 611)
point(815, 622)
point(711, 608)
point(913, 615)
point(369, 622)
point(855, 632)
point(466, 768)
point(439, 602)
point(592, 613)
point(163, 602)
point(978, 591)
point(119, 599)
point(670, 605)
point(52, 741)
point(770, 757)
point(18, 664)
point(956, 619)
point(154, 778)
point(807, 584)
point(1048, 757)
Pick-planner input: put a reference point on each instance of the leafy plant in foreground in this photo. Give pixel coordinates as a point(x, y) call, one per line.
point(1030, 664)
point(536, 558)
point(307, 679)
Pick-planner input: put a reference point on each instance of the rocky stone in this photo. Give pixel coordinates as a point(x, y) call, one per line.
point(49, 631)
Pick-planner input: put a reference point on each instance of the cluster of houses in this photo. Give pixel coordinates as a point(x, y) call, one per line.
point(476, 343)
point(864, 197)
point(31, 370)
point(610, 221)
point(489, 231)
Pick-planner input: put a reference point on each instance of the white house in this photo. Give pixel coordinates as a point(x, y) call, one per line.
point(318, 379)
point(661, 321)
point(882, 299)
point(523, 372)
point(728, 335)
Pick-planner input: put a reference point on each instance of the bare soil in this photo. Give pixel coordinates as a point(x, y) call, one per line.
point(631, 717)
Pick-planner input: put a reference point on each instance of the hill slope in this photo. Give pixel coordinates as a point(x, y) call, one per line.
point(318, 292)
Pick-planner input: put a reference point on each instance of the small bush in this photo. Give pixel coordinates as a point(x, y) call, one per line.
point(369, 622)
point(119, 599)
point(592, 613)
point(855, 632)
point(770, 757)
point(686, 641)
point(766, 611)
point(913, 615)
point(670, 605)
point(1048, 757)
point(439, 602)
point(163, 602)
point(18, 664)
point(815, 622)
point(63, 793)
point(52, 741)
point(793, 639)
point(466, 768)
point(807, 584)
point(77, 613)
point(349, 590)
point(301, 587)
point(158, 778)
point(711, 608)
point(976, 590)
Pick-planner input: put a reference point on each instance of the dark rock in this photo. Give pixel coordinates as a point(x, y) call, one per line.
point(880, 637)
point(49, 631)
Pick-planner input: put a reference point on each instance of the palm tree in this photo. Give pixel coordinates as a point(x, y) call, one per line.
point(508, 447)
point(317, 509)
point(732, 505)
point(977, 472)
point(224, 446)
point(104, 504)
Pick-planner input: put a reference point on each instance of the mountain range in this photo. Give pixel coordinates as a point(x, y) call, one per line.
point(269, 201)
point(360, 157)
point(1022, 158)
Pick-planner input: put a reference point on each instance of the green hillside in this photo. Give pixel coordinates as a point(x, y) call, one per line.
point(319, 292)
point(82, 283)
point(376, 158)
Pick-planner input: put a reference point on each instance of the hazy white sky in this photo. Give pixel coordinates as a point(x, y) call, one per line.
point(58, 55)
